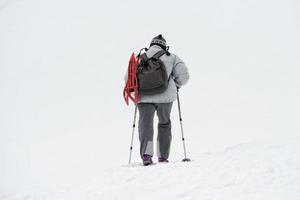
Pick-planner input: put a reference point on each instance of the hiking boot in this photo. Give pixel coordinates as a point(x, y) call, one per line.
point(163, 160)
point(147, 160)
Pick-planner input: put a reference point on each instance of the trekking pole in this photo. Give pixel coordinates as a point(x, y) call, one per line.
point(182, 134)
point(132, 134)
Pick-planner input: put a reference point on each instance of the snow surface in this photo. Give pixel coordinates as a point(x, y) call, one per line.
point(262, 170)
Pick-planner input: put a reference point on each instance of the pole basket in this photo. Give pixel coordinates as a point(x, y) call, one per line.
point(186, 160)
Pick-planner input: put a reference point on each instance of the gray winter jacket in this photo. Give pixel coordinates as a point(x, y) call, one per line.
point(179, 76)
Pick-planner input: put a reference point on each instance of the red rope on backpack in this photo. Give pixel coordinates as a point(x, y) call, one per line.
point(132, 83)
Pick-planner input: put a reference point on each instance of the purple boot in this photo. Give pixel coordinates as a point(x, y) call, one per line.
point(147, 160)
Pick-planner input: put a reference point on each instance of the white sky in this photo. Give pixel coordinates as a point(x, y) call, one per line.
point(62, 65)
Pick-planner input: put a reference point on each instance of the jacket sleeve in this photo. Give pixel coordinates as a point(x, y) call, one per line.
point(180, 72)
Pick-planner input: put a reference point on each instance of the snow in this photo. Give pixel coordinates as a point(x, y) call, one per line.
point(64, 126)
point(261, 170)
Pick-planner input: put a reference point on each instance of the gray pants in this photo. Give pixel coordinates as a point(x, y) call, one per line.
point(146, 115)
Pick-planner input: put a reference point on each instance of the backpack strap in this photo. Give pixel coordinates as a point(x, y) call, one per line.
point(159, 54)
point(144, 57)
point(142, 60)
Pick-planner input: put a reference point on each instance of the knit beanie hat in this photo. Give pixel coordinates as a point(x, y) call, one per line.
point(160, 41)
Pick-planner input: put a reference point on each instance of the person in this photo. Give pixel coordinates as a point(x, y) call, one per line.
point(161, 104)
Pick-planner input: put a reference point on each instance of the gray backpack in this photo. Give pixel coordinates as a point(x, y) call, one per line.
point(152, 75)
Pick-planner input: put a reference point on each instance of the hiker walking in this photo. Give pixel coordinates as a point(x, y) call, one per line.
point(160, 100)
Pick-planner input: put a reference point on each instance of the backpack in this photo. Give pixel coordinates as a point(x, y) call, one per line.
point(151, 74)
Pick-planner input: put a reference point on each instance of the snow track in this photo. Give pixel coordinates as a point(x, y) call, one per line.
point(247, 171)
